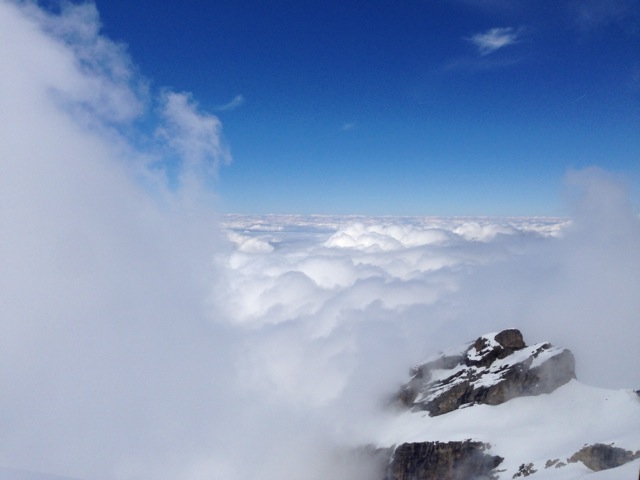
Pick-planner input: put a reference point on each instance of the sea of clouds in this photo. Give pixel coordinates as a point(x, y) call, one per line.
point(146, 337)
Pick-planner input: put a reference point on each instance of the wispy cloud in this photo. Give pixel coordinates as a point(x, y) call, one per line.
point(235, 102)
point(494, 39)
point(194, 135)
point(348, 126)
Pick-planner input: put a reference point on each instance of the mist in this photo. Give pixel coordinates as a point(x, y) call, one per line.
point(108, 354)
point(145, 338)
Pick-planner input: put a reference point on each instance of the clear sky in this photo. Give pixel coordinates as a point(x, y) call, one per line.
point(443, 107)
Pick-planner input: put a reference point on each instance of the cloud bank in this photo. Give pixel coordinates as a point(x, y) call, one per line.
point(431, 282)
point(143, 341)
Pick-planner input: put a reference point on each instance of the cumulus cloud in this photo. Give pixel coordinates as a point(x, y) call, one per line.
point(354, 291)
point(494, 39)
point(440, 281)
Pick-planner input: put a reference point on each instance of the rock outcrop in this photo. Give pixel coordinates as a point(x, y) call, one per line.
point(442, 461)
point(603, 457)
point(492, 370)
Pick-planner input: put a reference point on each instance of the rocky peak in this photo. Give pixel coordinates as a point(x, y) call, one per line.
point(491, 370)
point(488, 348)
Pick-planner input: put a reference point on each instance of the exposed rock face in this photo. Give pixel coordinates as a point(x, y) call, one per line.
point(525, 470)
point(442, 461)
point(491, 370)
point(602, 457)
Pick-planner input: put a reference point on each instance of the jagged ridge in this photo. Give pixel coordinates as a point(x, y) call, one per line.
point(492, 370)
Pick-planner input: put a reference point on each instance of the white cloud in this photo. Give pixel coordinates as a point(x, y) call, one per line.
point(494, 39)
point(107, 88)
point(194, 135)
point(234, 103)
point(103, 284)
point(389, 265)
point(450, 278)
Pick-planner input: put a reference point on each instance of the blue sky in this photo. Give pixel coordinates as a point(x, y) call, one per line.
point(419, 107)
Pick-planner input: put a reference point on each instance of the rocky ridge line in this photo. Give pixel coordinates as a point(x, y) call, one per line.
point(492, 370)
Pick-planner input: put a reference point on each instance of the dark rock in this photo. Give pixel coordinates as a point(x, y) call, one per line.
point(442, 461)
point(525, 470)
point(511, 339)
point(555, 463)
point(486, 350)
point(553, 373)
point(422, 374)
point(603, 457)
point(492, 370)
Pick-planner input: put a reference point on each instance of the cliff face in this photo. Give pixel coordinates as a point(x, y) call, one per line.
point(491, 370)
point(441, 461)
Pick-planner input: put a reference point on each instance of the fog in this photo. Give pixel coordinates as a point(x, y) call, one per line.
point(146, 337)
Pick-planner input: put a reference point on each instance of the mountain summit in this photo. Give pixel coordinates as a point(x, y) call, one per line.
point(495, 368)
point(497, 408)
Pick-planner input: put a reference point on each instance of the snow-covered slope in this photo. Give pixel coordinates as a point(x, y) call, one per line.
point(536, 432)
point(532, 429)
